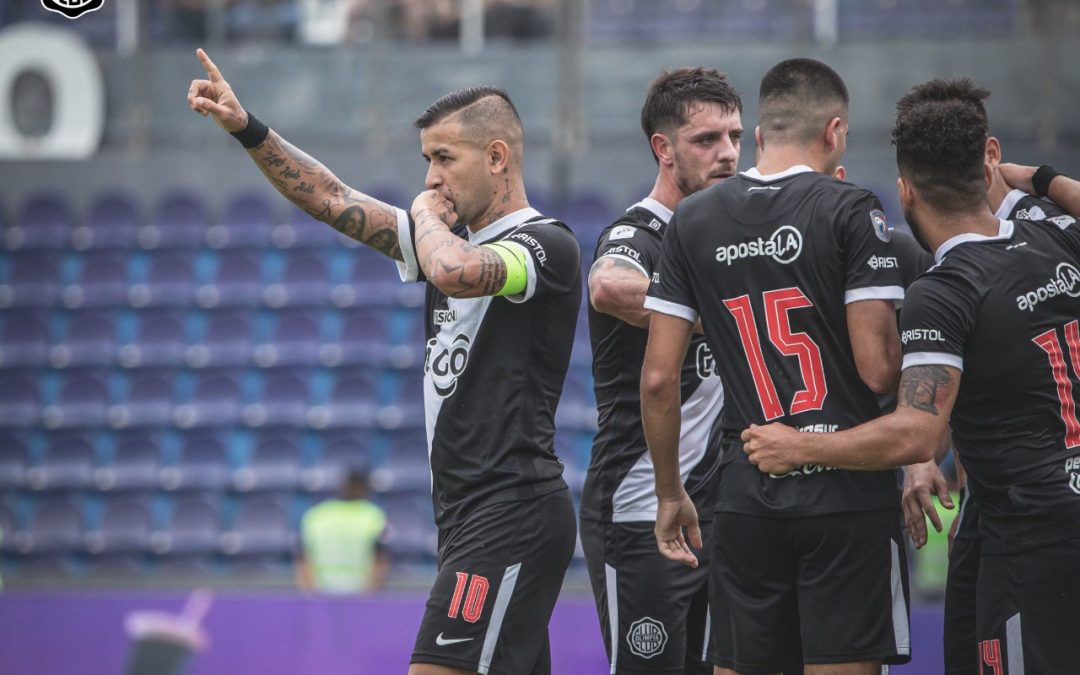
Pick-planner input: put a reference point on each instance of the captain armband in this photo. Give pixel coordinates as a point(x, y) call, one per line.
point(517, 270)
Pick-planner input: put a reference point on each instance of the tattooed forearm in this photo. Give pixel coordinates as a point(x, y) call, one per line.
point(925, 387)
point(458, 268)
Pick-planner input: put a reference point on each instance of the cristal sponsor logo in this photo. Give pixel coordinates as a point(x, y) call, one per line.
point(706, 364)
point(922, 335)
point(879, 262)
point(72, 9)
point(1072, 468)
point(783, 246)
point(647, 637)
point(1066, 281)
point(624, 250)
point(446, 364)
point(538, 251)
point(445, 316)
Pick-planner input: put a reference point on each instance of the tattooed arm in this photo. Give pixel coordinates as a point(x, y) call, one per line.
point(451, 263)
point(299, 178)
point(618, 288)
point(908, 435)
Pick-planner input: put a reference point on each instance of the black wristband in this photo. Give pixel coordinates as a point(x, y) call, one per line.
point(1040, 182)
point(254, 133)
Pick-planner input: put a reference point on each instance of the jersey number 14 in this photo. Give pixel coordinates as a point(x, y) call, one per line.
point(1050, 344)
point(778, 304)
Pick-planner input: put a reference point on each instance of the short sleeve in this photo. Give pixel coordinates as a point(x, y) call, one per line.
point(872, 268)
point(936, 321)
point(408, 266)
point(670, 291)
point(552, 257)
point(631, 245)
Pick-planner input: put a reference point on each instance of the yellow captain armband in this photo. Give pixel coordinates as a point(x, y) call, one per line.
point(517, 272)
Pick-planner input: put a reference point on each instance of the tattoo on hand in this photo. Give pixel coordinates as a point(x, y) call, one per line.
point(923, 387)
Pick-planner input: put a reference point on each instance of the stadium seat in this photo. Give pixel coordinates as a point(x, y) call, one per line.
point(24, 338)
point(158, 340)
point(577, 407)
point(135, 464)
point(406, 468)
point(362, 338)
point(246, 222)
point(342, 451)
point(20, 399)
point(274, 465)
point(215, 401)
point(180, 221)
point(68, 464)
point(192, 529)
point(33, 280)
point(373, 280)
point(406, 411)
point(304, 281)
point(352, 404)
point(302, 231)
point(56, 527)
point(89, 340)
point(102, 281)
point(293, 340)
point(9, 526)
point(124, 528)
point(260, 527)
point(283, 402)
point(147, 402)
point(44, 222)
point(227, 340)
point(14, 454)
point(236, 282)
point(81, 402)
point(202, 465)
point(411, 533)
point(169, 281)
point(112, 222)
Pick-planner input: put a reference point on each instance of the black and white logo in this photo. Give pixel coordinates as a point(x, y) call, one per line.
point(447, 364)
point(72, 9)
point(1066, 281)
point(706, 364)
point(783, 246)
point(1072, 469)
point(881, 227)
point(647, 637)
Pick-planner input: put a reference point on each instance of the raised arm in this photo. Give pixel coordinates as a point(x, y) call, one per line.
point(1062, 190)
point(618, 288)
point(298, 177)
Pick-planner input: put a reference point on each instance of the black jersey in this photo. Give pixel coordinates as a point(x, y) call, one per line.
point(620, 483)
point(1006, 311)
point(494, 370)
point(769, 263)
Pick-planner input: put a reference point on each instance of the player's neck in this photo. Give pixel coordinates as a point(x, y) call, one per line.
point(778, 158)
point(939, 227)
point(504, 203)
point(997, 191)
point(666, 191)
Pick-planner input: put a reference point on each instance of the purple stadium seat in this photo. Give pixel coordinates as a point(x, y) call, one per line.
point(247, 222)
point(90, 340)
point(68, 464)
point(102, 281)
point(352, 404)
point(364, 337)
point(215, 402)
point(180, 221)
point(148, 401)
point(82, 402)
point(373, 280)
point(261, 527)
point(124, 528)
point(305, 281)
point(203, 465)
point(13, 459)
point(56, 527)
point(411, 533)
point(303, 231)
point(227, 341)
point(341, 452)
point(113, 222)
point(24, 338)
point(406, 468)
point(20, 399)
point(193, 529)
point(158, 341)
point(407, 409)
point(170, 282)
point(237, 281)
point(294, 340)
point(274, 465)
point(577, 406)
point(284, 401)
point(44, 222)
point(9, 527)
point(33, 281)
point(134, 466)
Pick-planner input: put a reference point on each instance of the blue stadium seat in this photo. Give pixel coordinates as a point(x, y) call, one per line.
point(202, 465)
point(20, 399)
point(284, 402)
point(24, 338)
point(302, 231)
point(147, 401)
point(215, 401)
point(411, 534)
point(33, 280)
point(14, 454)
point(577, 407)
point(134, 466)
point(352, 404)
point(581, 356)
point(237, 281)
point(407, 407)
point(89, 339)
point(261, 527)
point(274, 465)
point(68, 464)
point(305, 281)
point(169, 281)
point(158, 340)
point(192, 529)
point(363, 337)
point(293, 340)
point(373, 280)
point(124, 528)
point(341, 452)
point(406, 468)
point(227, 340)
point(56, 527)
point(44, 222)
point(247, 222)
point(112, 222)
point(9, 526)
point(180, 221)
point(81, 402)
point(102, 281)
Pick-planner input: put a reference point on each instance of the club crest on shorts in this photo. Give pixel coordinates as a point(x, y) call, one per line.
point(1072, 470)
point(72, 9)
point(881, 227)
point(647, 637)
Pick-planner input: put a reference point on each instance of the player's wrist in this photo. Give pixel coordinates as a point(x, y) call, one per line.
point(1041, 179)
point(253, 133)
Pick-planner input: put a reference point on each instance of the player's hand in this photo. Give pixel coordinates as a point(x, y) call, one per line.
point(215, 98)
point(672, 515)
point(431, 200)
point(921, 482)
point(1018, 176)
point(771, 448)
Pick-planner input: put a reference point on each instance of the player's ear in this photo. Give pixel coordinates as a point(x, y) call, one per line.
point(498, 156)
point(903, 189)
point(661, 147)
point(993, 151)
point(988, 173)
point(832, 134)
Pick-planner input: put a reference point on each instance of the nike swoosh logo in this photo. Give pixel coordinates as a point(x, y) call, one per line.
point(442, 642)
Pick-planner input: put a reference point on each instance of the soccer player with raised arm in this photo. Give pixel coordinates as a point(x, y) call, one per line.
point(503, 291)
point(794, 279)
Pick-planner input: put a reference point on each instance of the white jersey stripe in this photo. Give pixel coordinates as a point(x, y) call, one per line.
point(612, 587)
point(894, 293)
point(672, 308)
point(1014, 644)
point(624, 258)
point(705, 637)
point(498, 613)
point(901, 631)
point(409, 266)
point(932, 359)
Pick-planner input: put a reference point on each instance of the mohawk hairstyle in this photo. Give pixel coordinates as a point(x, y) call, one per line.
point(940, 138)
point(485, 113)
point(674, 93)
point(797, 99)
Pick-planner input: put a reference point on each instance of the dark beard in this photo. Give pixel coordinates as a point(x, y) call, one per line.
point(916, 230)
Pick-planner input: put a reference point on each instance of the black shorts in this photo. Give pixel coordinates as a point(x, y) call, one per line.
point(959, 633)
point(832, 588)
point(1026, 611)
point(500, 572)
point(656, 608)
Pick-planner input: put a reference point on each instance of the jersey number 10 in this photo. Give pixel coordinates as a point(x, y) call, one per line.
point(1050, 344)
point(777, 305)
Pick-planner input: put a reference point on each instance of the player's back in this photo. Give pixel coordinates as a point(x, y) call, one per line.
point(771, 263)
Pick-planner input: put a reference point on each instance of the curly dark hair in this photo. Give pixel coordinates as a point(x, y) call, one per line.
point(671, 95)
point(940, 138)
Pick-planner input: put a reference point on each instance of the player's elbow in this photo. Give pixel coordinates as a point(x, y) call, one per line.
point(603, 295)
point(658, 384)
point(881, 380)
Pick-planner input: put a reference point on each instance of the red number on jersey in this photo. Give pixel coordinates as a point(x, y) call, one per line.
point(1050, 344)
point(474, 601)
point(990, 655)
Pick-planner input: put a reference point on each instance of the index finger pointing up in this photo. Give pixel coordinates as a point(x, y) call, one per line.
point(211, 69)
